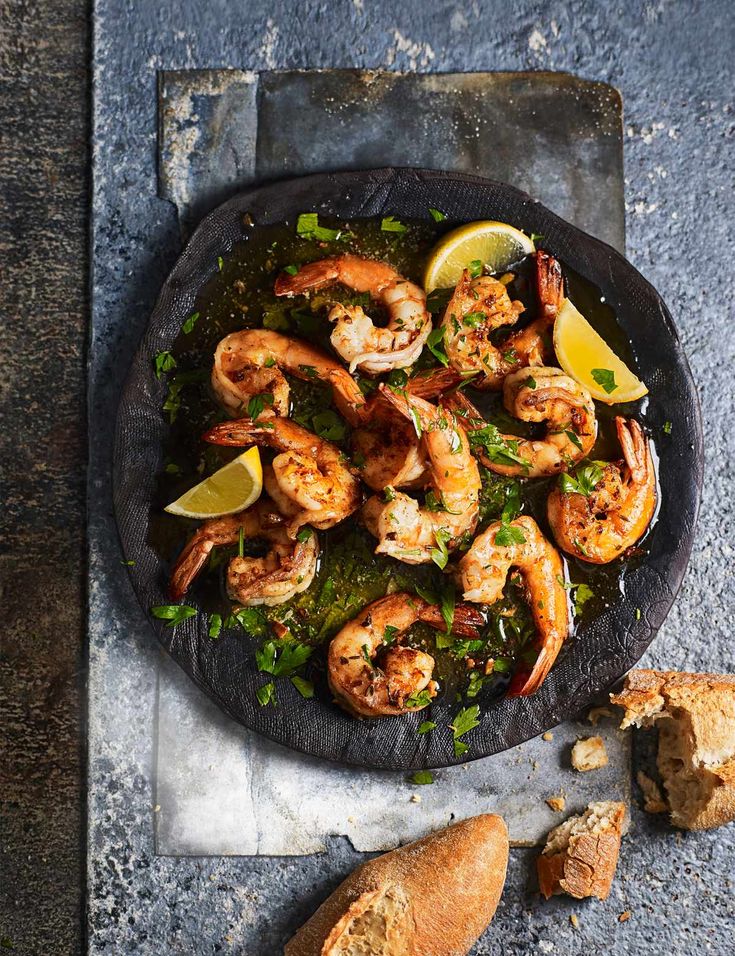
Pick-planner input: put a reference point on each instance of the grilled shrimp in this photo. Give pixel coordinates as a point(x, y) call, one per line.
point(482, 574)
point(286, 569)
point(481, 305)
point(252, 362)
point(370, 675)
point(404, 529)
point(601, 525)
point(386, 448)
point(536, 395)
point(310, 472)
point(360, 343)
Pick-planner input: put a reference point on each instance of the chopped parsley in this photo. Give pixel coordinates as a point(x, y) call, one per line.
point(391, 224)
point(220, 263)
point(257, 403)
point(173, 613)
point(329, 425)
point(422, 777)
point(303, 686)
point(499, 450)
point(282, 658)
point(189, 324)
point(465, 720)
point(251, 619)
point(605, 378)
point(508, 534)
point(435, 344)
point(426, 726)
point(266, 694)
point(307, 226)
point(215, 625)
point(582, 481)
point(164, 362)
point(389, 634)
point(475, 268)
point(421, 698)
point(437, 215)
point(530, 382)
point(304, 534)
point(667, 428)
point(291, 270)
point(440, 554)
point(582, 594)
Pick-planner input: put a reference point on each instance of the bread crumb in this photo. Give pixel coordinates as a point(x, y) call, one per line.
point(415, 798)
point(350, 819)
point(589, 754)
point(547, 736)
point(653, 801)
point(574, 920)
point(597, 713)
point(624, 917)
point(157, 808)
point(557, 804)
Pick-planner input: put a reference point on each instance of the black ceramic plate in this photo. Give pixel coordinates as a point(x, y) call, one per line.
point(601, 651)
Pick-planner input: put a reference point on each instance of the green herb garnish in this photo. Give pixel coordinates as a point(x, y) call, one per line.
point(391, 224)
point(215, 625)
point(426, 726)
point(189, 324)
point(307, 226)
point(465, 720)
point(421, 698)
point(440, 554)
point(329, 425)
point(437, 215)
point(164, 362)
point(435, 344)
point(173, 613)
point(605, 378)
point(422, 777)
point(583, 480)
point(266, 694)
point(303, 686)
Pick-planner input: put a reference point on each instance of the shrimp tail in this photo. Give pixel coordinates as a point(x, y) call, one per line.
point(524, 684)
point(549, 285)
point(434, 382)
point(242, 431)
point(312, 275)
point(190, 562)
point(633, 442)
point(466, 623)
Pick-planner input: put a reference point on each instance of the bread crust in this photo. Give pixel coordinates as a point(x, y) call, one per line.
point(696, 756)
point(586, 866)
point(453, 879)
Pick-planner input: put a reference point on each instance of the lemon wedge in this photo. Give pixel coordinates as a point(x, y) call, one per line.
point(587, 357)
point(495, 244)
point(233, 488)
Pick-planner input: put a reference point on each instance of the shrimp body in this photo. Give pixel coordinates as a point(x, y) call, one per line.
point(361, 343)
point(386, 447)
point(253, 362)
point(372, 678)
point(309, 472)
point(408, 531)
point(602, 525)
point(287, 568)
point(481, 305)
point(483, 572)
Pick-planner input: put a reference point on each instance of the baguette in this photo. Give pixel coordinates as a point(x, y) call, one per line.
point(581, 854)
point(695, 715)
point(434, 897)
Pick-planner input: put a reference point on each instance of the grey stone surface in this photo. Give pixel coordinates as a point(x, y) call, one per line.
point(43, 322)
point(668, 61)
point(220, 124)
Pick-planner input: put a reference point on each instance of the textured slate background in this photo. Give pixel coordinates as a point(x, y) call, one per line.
point(671, 62)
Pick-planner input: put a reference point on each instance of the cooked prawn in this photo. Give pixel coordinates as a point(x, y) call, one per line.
point(361, 343)
point(407, 531)
point(482, 574)
point(481, 305)
point(370, 675)
point(601, 525)
point(309, 471)
point(286, 569)
point(386, 448)
point(536, 395)
point(252, 363)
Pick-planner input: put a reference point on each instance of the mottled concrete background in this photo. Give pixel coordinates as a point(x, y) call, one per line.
point(672, 62)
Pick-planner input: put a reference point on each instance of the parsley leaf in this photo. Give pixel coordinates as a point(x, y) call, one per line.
point(220, 263)
point(605, 379)
point(173, 613)
point(448, 603)
point(512, 506)
point(215, 625)
point(421, 698)
point(422, 777)
point(464, 721)
point(426, 726)
point(266, 694)
point(303, 686)
point(257, 403)
point(583, 480)
point(291, 270)
point(389, 634)
point(329, 425)
point(251, 619)
point(440, 554)
point(164, 362)
point(582, 594)
point(435, 344)
point(282, 658)
point(667, 428)
point(573, 438)
point(499, 450)
point(475, 268)
point(304, 534)
point(437, 215)
point(189, 324)
point(391, 224)
point(508, 534)
point(307, 226)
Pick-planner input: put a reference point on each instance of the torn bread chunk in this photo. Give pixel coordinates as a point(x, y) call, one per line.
point(581, 854)
point(379, 921)
point(589, 754)
point(695, 716)
point(653, 801)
